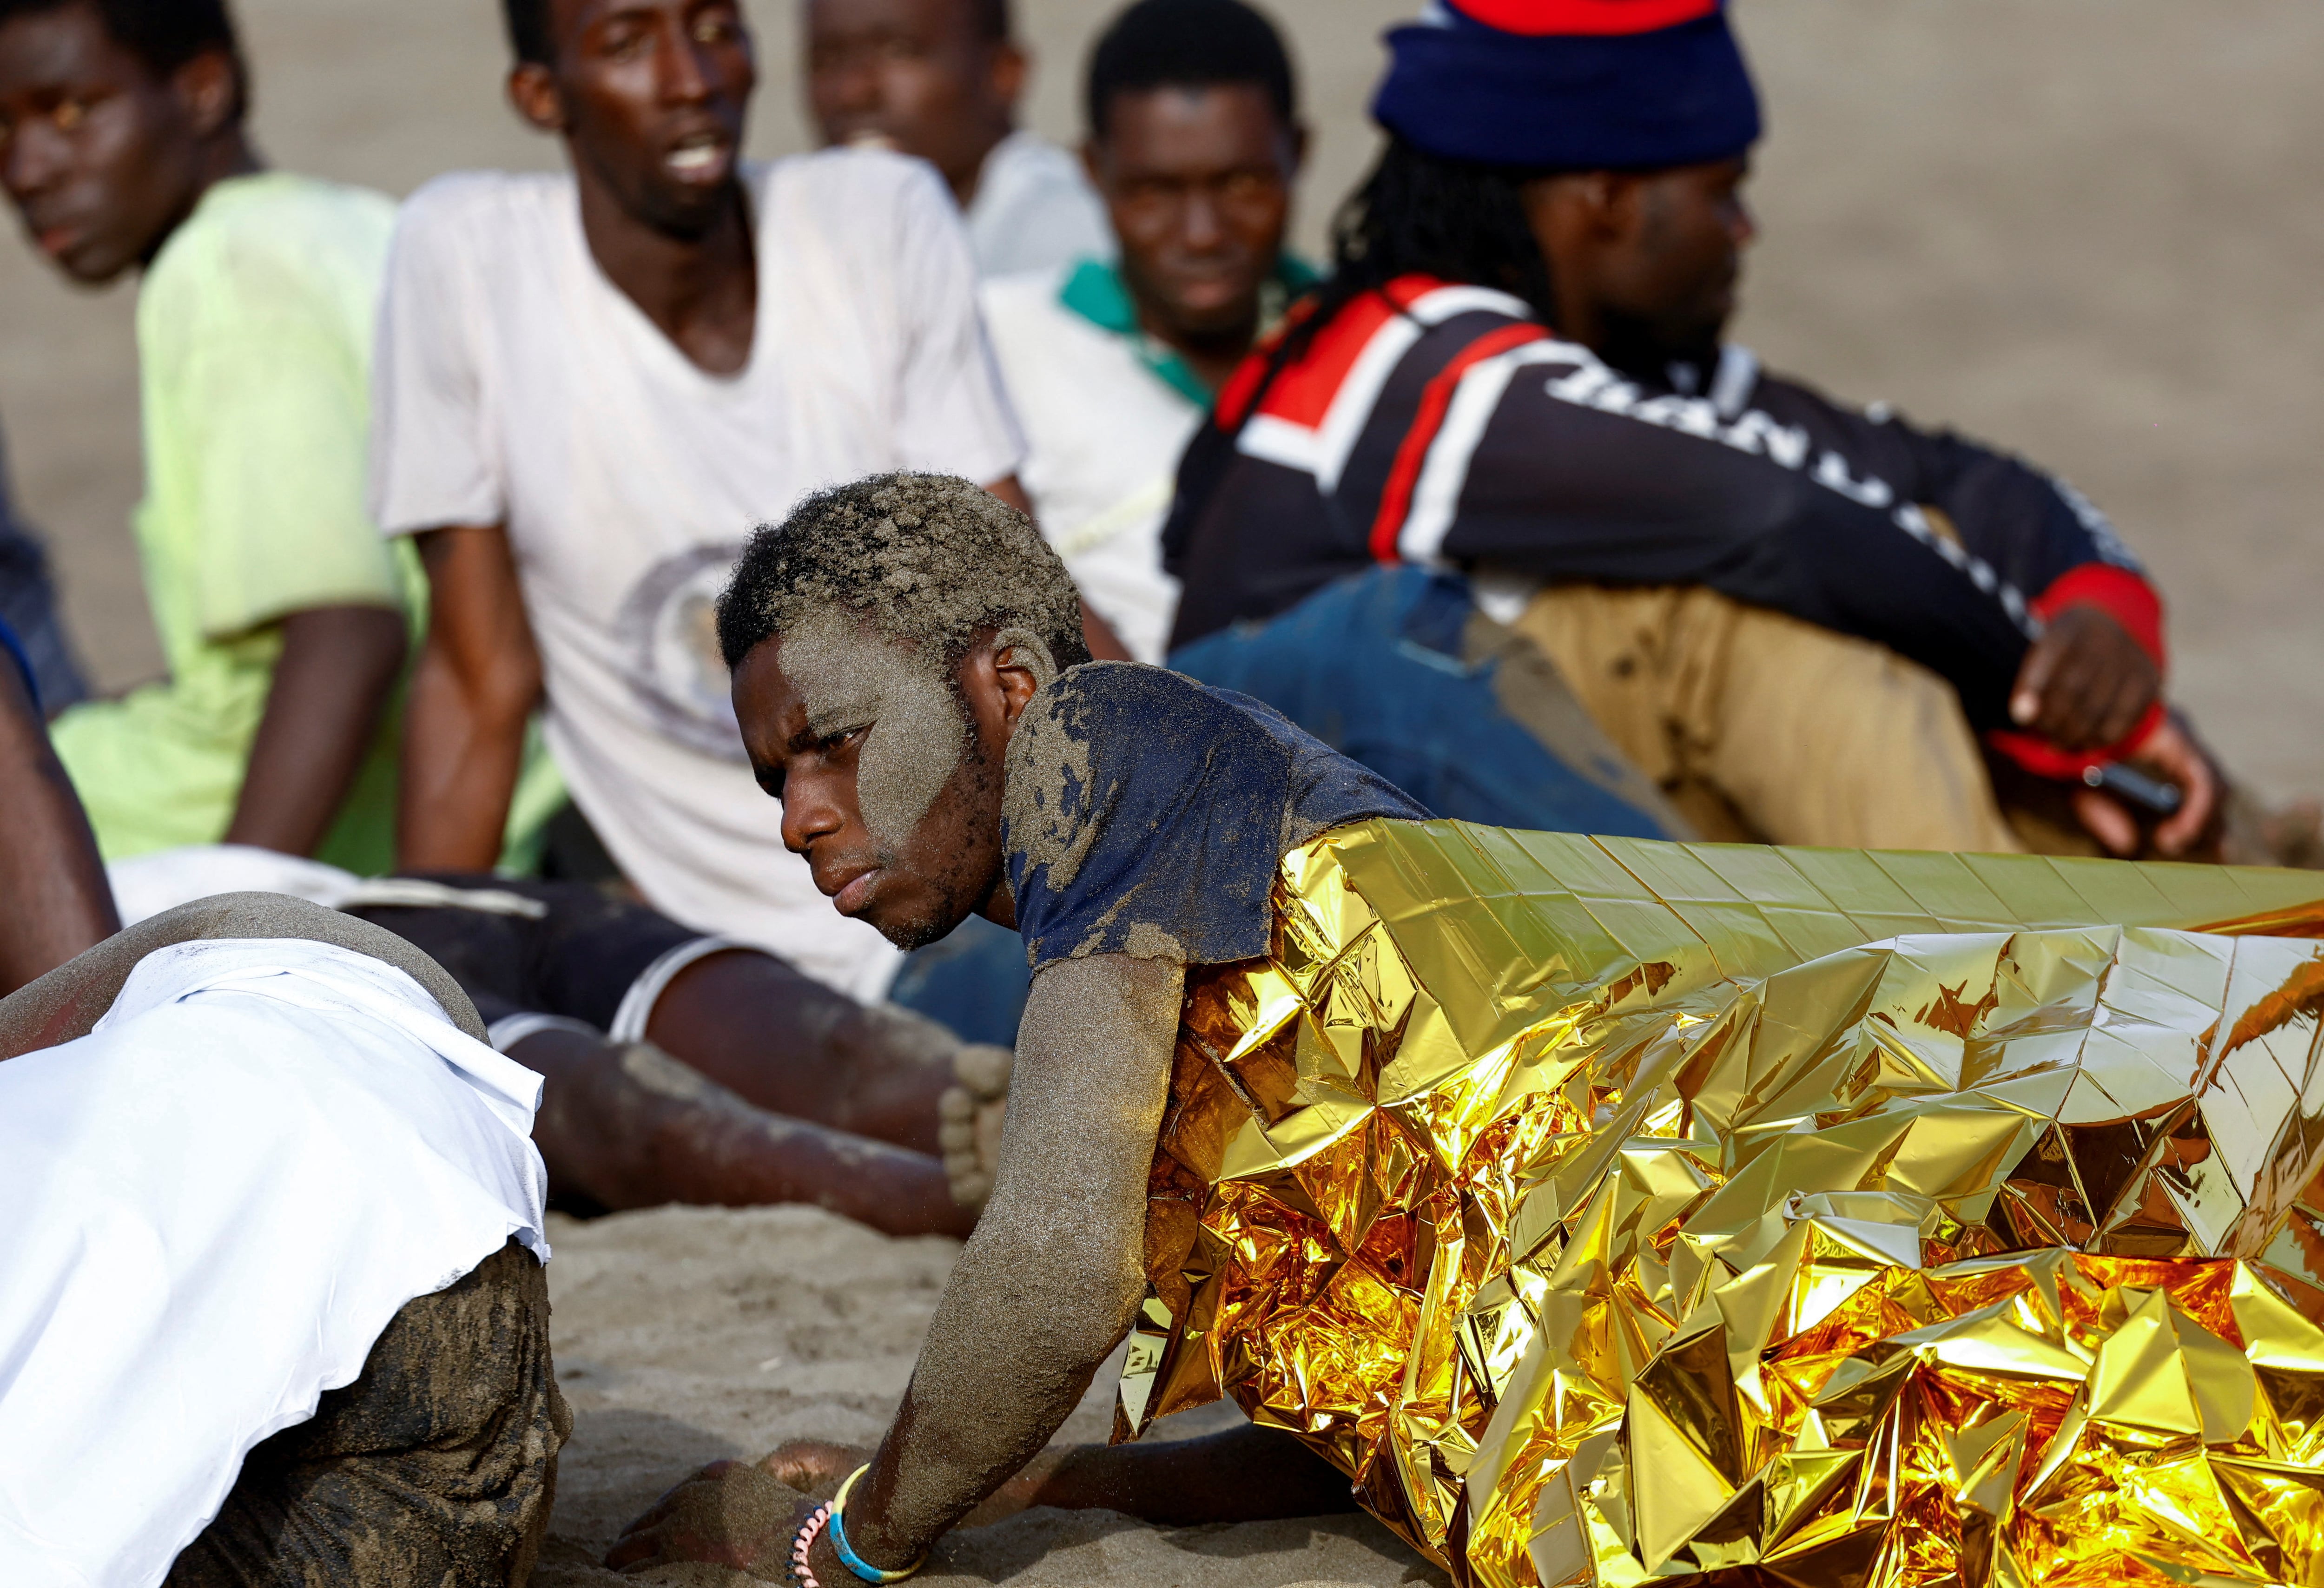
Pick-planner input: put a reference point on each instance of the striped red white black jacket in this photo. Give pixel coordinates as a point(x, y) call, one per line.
point(1442, 423)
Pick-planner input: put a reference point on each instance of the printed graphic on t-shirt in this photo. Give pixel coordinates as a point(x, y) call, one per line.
point(669, 630)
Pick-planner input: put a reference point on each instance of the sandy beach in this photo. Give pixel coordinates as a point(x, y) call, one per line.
point(689, 1334)
point(2091, 230)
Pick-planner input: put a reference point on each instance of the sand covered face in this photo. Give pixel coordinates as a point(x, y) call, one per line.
point(849, 677)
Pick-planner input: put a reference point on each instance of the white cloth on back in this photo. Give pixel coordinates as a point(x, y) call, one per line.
point(516, 384)
point(1035, 209)
point(213, 1206)
point(1103, 435)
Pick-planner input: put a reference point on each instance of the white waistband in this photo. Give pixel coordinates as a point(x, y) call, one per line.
point(638, 1003)
point(511, 1030)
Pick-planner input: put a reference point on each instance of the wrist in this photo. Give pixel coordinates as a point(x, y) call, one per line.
point(865, 1549)
point(2123, 595)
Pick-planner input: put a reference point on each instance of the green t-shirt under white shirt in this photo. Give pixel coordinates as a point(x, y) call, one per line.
point(254, 329)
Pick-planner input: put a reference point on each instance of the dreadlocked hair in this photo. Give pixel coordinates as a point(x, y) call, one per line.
point(1421, 214)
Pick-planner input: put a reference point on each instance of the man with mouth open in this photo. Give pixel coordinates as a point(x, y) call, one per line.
point(590, 385)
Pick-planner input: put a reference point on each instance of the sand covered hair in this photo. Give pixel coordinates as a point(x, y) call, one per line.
point(929, 560)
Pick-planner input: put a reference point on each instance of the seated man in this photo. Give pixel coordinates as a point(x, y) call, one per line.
point(281, 614)
point(714, 337)
point(1382, 1062)
point(941, 79)
point(1744, 577)
point(1195, 143)
point(1195, 140)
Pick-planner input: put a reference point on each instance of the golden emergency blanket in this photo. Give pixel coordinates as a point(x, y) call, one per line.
point(1616, 1212)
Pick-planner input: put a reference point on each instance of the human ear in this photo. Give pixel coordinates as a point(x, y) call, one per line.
point(1010, 67)
point(1022, 663)
point(532, 89)
point(209, 87)
point(1617, 202)
point(1297, 141)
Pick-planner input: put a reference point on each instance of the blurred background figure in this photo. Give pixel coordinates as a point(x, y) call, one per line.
point(590, 384)
point(1194, 143)
point(283, 615)
point(941, 79)
point(1518, 369)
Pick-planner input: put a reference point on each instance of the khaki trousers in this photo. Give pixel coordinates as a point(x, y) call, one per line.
point(1762, 728)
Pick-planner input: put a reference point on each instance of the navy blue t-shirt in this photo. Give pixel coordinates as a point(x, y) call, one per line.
point(1147, 813)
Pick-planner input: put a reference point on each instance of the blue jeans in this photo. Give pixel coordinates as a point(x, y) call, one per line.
point(1376, 667)
point(973, 980)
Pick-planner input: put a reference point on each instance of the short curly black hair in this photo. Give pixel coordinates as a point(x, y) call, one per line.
point(529, 38)
point(929, 559)
point(1188, 44)
point(527, 32)
point(162, 34)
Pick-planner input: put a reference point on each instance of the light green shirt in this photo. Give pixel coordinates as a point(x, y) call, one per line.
point(254, 330)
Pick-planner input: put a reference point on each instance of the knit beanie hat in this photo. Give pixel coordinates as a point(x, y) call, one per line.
point(1571, 84)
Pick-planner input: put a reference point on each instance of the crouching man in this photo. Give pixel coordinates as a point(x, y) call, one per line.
point(272, 1305)
point(912, 685)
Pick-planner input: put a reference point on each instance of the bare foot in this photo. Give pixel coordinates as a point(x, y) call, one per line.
point(972, 1114)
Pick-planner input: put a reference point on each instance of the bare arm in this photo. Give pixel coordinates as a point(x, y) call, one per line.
point(1053, 1276)
point(477, 684)
point(58, 901)
point(336, 671)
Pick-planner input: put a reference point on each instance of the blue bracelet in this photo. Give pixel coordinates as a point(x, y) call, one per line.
point(863, 1569)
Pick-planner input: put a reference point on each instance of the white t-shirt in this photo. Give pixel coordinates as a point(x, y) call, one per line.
point(1034, 210)
point(1103, 434)
point(516, 384)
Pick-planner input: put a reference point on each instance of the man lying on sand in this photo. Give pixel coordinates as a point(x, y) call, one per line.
point(271, 1307)
point(910, 683)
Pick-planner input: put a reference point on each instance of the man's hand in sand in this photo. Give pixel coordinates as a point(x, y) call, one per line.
point(731, 1513)
point(815, 1466)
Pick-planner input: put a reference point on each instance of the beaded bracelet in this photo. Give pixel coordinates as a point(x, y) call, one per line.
point(863, 1569)
point(801, 1573)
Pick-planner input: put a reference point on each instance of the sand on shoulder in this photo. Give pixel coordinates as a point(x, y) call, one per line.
point(687, 1335)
